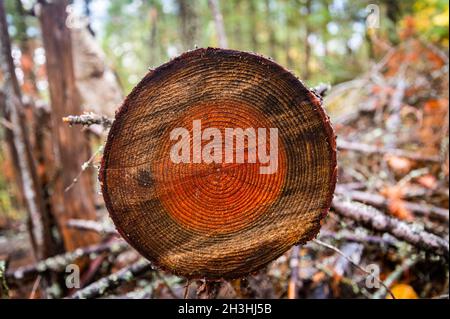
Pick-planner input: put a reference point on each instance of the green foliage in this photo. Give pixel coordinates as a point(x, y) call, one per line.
point(432, 19)
point(335, 30)
point(141, 34)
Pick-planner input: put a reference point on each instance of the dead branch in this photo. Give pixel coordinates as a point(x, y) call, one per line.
point(294, 278)
point(374, 219)
point(208, 289)
point(322, 89)
point(4, 290)
point(381, 201)
point(91, 225)
point(399, 270)
point(88, 119)
point(59, 262)
point(84, 167)
point(114, 280)
point(372, 149)
point(337, 250)
point(357, 238)
point(186, 289)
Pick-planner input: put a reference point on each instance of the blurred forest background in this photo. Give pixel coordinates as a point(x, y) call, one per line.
point(386, 89)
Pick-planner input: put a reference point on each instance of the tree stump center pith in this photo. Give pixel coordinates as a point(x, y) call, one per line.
point(217, 163)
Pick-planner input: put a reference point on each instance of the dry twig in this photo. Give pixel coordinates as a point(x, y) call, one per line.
point(353, 263)
point(399, 270)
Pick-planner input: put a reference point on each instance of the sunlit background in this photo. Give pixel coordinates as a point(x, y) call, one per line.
point(321, 41)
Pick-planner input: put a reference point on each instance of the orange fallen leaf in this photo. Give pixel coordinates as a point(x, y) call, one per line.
point(428, 181)
point(318, 277)
point(397, 208)
point(399, 165)
point(403, 291)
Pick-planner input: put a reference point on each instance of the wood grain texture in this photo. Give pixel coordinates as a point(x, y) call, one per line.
point(218, 220)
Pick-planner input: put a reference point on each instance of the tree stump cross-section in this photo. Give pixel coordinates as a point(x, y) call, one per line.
point(204, 202)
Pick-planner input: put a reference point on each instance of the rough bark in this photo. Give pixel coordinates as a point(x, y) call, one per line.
point(71, 146)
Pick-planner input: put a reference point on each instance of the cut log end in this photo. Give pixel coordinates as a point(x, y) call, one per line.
point(194, 196)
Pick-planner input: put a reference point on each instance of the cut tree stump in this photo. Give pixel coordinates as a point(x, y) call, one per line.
point(220, 219)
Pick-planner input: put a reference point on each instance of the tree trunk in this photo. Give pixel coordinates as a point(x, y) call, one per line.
point(91, 71)
point(306, 72)
point(39, 226)
point(253, 25)
point(218, 20)
point(271, 30)
point(71, 146)
point(12, 158)
point(39, 122)
point(188, 23)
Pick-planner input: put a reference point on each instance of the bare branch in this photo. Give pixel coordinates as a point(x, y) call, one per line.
point(352, 237)
point(352, 262)
point(92, 225)
point(84, 167)
point(294, 278)
point(399, 270)
point(124, 275)
point(208, 289)
point(88, 119)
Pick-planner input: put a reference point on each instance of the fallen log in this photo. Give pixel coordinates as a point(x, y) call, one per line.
point(374, 219)
point(373, 149)
point(381, 201)
point(216, 207)
point(59, 262)
point(126, 274)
